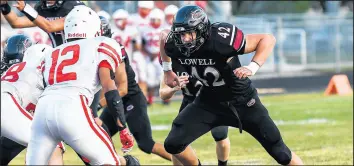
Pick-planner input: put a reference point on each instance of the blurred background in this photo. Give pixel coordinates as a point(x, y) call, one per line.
point(314, 38)
point(314, 43)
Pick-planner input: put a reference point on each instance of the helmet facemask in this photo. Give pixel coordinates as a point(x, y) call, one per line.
point(197, 34)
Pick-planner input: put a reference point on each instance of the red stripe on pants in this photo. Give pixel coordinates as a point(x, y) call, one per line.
point(96, 132)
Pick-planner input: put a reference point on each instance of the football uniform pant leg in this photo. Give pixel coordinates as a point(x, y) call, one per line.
point(9, 150)
point(44, 137)
point(191, 123)
point(219, 133)
point(15, 120)
point(137, 119)
point(257, 122)
point(70, 119)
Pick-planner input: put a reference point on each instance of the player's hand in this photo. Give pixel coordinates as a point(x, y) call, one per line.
point(20, 5)
point(127, 140)
point(171, 79)
point(242, 72)
point(98, 121)
point(183, 81)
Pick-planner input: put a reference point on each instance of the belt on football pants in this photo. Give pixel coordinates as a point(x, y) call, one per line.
point(233, 109)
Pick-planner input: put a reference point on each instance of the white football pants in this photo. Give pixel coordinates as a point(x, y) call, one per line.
point(68, 118)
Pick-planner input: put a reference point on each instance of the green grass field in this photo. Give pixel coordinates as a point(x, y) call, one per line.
point(318, 128)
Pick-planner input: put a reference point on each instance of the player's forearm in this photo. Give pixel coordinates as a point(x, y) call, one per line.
point(165, 92)
point(18, 22)
point(263, 49)
point(49, 26)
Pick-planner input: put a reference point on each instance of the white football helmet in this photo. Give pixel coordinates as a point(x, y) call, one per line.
point(36, 52)
point(171, 10)
point(82, 22)
point(120, 14)
point(146, 4)
point(156, 17)
point(156, 14)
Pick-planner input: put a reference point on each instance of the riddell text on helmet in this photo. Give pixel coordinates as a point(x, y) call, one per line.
point(79, 35)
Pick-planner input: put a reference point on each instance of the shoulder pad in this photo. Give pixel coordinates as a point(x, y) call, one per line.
point(36, 52)
point(227, 36)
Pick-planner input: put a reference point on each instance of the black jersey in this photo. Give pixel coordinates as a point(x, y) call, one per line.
point(192, 88)
point(57, 38)
point(133, 87)
point(209, 64)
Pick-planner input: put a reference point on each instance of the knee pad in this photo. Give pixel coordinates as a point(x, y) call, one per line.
point(273, 142)
point(173, 147)
point(219, 133)
point(281, 153)
point(131, 160)
point(146, 144)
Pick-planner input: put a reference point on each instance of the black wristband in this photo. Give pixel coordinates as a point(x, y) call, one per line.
point(28, 16)
point(5, 9)
point(115, 107)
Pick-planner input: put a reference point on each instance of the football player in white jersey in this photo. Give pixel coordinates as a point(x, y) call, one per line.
point(130, 38)
point(140, 19)
point(73, 73)
point(21, 85)
point(151, 49)
point(170, 12)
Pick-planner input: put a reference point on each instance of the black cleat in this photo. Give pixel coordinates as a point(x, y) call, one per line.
point(131, 160)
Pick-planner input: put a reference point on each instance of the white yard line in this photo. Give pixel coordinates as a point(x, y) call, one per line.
point(277, 122)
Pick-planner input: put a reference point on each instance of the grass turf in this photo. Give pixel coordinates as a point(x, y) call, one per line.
point(318, 128)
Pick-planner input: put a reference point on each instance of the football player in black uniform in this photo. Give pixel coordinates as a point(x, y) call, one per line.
point(48, 15)
point(135, 106)
point(227, 97)
point(190, 87)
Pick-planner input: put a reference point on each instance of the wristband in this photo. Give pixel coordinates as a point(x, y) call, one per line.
point(30, 13)
point(253, 66)
point(5, 9)
point(167, 66)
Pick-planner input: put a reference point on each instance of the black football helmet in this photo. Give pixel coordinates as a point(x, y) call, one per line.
point(55, 6)
point(14, 50)
point(105, 27)
point(190, 19)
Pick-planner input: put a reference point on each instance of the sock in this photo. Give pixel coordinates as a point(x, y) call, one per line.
point(222, 163)
point(199, 164)
point(150, 99)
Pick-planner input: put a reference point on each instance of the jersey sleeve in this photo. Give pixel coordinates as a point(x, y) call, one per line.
point(110, 54)
point(230, 40)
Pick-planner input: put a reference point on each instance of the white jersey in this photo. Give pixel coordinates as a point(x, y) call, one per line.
point(72, 68)
point(36, 34)
point(24, 80)
point(151, 38)
point(137, 21)
point(125, 37)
